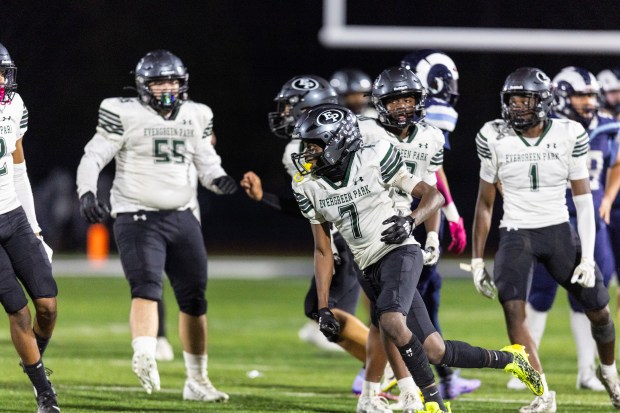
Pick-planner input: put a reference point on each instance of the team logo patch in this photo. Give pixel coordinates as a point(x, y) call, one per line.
point(305, 83)
point(329, 117)
point(542, 77)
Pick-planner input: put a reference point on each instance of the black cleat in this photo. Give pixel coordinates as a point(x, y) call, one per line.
point(47, 402)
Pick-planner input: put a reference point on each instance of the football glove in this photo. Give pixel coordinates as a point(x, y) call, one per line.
point(400, 230)
point(329, 326)
point(92, 209)
point(458, 235)
point(47, 248)
point(226, 184)
point(584, 274)
point(431, 248)
point(482, 279)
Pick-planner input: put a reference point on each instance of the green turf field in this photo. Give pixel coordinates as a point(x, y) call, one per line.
point(253, 326)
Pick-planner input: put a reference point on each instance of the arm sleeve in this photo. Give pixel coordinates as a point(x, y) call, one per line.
point(585, 224)
point(24, 194)
point(287, 206)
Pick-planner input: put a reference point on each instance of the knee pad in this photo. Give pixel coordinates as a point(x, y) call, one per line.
point(605, 333)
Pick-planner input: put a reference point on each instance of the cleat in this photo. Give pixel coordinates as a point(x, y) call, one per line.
point(433, 407)
point(456, 385)
point(358, 381)
point(389, 379)
point(376, 404)
point(408, 402)
point(201, 389)
point(47, 403)
point(389, 396)
point(612, 385)
point(591, 383)
point(541, 404)
point(523, 370)
point(163, 350)
point(145, 367)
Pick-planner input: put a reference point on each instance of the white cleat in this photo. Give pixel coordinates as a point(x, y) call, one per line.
point(516, 384)
point(591, 383)
point(145, 367)
point(612, 385)
point(541, 404)
point(376, 404)
point(311, 334)
point(409, 403)
point(388, 381)
point(202, 389)
point(163, 351)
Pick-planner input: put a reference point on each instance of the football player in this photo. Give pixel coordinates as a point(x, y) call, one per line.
point(346, 183)
point(353, 87)
point(25, 260)
point(297, 95)
point(576, 94)
point(155, 138)
point(534, 156)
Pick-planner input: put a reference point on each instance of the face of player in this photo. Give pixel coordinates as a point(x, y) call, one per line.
point(400, 108)
point(312, 153)
point(522, 106)
point(165, 88)
point(356, 102)
point(2, 78)
point(584, 104)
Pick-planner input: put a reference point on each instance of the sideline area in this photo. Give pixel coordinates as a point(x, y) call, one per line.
point(241, 267)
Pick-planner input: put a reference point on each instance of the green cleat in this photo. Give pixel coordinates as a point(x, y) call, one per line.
point(523, 370)
point(433, 407)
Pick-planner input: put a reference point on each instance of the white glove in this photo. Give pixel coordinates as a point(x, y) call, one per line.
point(431, 248)
point(585, 274)
point(482, 280)
point(48, 249)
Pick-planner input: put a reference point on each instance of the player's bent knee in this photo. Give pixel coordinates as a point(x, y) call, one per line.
point(194, 306)
point(605, 333)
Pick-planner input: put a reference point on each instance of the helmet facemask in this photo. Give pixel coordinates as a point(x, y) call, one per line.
point(9, 86)
point(156, 66)
point(525, 113)
point(403, 115)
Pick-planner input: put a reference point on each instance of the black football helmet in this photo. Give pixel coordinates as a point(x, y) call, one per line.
point(9, 71)
point(609, 80)
point(297, 95)
point(436, 71)
point(161, 65)
point(334, 128)
point(397, 82)
point(528, 82)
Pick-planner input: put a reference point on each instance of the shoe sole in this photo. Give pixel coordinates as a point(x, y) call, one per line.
point(523, 370)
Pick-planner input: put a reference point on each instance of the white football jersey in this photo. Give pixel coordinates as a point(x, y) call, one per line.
point(13, 125)
point(422, 152)
point(294, 146)
point(153, 155)
point(533, 172)
point(361, 202)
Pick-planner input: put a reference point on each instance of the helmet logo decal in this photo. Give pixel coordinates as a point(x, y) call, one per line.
point(329, 117)
point(542, 77)
point(305, 83)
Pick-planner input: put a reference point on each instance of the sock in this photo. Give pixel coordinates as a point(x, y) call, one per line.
point(144, 344)
point(609, 371)
point(461, 354)
point(417, 363)
point(195, 365)
point(585, 344)
point(36, 374)
point(536, 322)
point(444, 373)
point(543, 378)
point(431, 394)
point(370, 388)
point(407, 385)
point(41, 342)
point(161, 317)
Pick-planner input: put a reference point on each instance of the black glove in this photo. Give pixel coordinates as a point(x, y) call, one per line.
point(92, 209)
point(329, 326)
point(399, 231)
point(226, 184)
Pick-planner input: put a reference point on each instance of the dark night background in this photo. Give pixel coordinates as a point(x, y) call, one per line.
point(72, 54)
